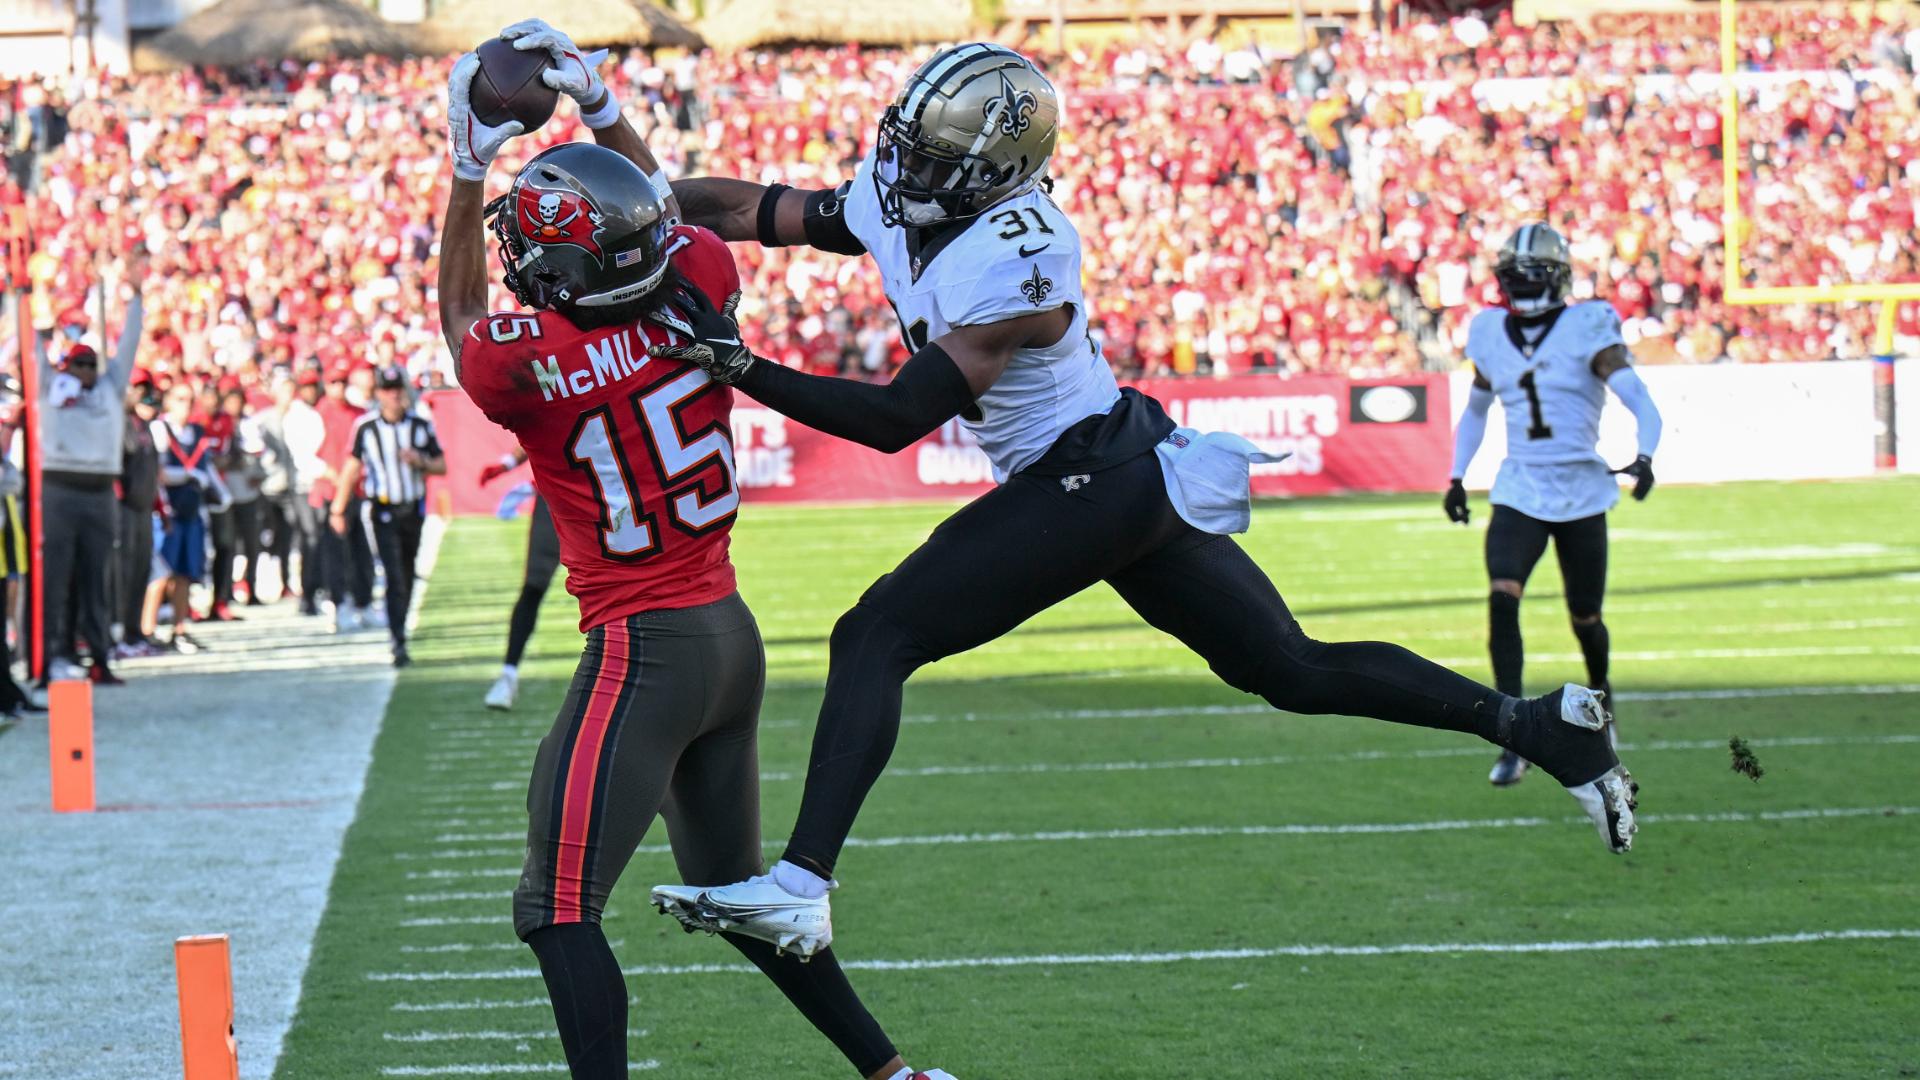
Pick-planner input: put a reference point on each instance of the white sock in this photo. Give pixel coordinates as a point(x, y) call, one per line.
point(905, 1073)
point(799, 881)
point(511, 671)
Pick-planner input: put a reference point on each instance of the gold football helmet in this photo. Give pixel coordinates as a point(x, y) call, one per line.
point(1535, 269)
point(973, 126)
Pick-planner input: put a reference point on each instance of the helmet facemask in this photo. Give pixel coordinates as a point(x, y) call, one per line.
point(1533, 286)
point(974, 126)
point(919, 185)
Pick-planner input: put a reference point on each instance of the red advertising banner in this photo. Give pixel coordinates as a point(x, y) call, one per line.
point(1343, 435)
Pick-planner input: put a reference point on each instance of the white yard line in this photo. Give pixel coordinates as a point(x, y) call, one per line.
point(1248, 762)
point(1198, 831)
point(500, 1068)
point(462, 1036)
point(480, 1004)
point(1705, 941)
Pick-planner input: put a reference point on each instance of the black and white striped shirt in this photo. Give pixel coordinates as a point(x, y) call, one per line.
point(377, 442)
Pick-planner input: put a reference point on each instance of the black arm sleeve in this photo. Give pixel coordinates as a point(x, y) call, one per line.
point(927, 392)
point(825, 224)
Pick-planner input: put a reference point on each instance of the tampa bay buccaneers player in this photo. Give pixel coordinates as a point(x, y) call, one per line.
point(634, 458)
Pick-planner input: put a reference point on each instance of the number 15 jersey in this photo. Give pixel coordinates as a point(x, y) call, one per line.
point(633, 455)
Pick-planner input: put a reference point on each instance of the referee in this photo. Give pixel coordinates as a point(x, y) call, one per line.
point(394, 451)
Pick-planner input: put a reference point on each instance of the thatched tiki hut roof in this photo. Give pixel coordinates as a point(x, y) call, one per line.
point(746, 23)
point(465, 23)
point(235, 32)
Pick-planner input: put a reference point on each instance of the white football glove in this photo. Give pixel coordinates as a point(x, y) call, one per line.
point(572, 72)
point(474, 143)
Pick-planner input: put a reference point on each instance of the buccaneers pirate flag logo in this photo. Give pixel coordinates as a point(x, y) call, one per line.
point(550, 216)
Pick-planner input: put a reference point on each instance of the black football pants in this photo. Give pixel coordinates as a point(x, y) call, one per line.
point(396, 536)
point(662, 719)
point(1037, 540)
point(1515, 543)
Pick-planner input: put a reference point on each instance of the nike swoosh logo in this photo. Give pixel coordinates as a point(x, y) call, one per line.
point(1025, 254)
point(726, 341)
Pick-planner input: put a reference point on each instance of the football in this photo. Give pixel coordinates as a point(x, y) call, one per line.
point(508, 87)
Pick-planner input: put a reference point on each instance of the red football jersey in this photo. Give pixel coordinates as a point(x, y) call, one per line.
point(634, 455)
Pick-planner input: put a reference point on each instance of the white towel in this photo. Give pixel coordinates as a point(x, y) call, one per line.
point(1207, 478)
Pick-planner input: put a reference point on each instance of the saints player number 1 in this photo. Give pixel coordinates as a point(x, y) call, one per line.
point(1538, 429)
point(627, 530)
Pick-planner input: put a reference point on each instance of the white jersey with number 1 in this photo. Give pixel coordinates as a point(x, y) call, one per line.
point(1552, 399)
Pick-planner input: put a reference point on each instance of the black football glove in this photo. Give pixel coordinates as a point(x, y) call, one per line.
point(1456, 503)
point(1642, 472)
point(712, 337)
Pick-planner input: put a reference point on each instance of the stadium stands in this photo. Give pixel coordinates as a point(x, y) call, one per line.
point(1332, 212)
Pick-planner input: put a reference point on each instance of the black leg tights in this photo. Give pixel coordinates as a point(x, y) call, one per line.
point(589, 998)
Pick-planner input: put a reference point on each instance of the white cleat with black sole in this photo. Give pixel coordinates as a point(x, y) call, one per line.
point(1611, 797)
point(1571, 740)
point(757, 908)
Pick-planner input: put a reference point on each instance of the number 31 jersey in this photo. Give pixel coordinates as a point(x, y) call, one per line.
point(633, 455)
point(1019, 257)
point(1551, 398)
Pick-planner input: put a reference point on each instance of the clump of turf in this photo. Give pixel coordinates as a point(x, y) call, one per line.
point(1744, 761)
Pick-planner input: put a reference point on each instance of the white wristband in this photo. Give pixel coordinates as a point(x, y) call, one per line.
point(661, 185)
point(607, 115)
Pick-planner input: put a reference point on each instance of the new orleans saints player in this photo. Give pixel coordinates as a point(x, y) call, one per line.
point(1095, 483)
point(1550, 363)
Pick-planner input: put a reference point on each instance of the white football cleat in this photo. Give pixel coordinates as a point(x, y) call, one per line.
point(757, 908)
point(505, 690)
point(1610, 798)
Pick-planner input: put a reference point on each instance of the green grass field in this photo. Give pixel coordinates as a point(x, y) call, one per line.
point(1786, 614)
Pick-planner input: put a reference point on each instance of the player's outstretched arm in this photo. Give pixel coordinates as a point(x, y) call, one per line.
point(933, 386)
point(1466, 443)
point(774, 216)
point(576, 74)
point(463, 242)
point(1615, 368)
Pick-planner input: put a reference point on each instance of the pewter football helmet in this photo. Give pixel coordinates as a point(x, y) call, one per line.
point(973, 126)
point(1535, 270)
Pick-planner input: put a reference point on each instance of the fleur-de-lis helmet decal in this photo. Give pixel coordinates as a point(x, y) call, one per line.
point(1012, 110)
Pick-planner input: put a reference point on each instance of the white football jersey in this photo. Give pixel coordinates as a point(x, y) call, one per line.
point(1021, 256)
point(1550, 395)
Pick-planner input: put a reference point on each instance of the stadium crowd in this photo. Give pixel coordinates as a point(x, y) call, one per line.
point(1333, 211)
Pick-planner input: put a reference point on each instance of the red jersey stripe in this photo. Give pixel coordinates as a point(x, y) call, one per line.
point(582, 777)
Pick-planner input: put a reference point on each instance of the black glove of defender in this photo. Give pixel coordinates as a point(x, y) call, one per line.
point(1456, 502)
point(712, 336)
point(1642, 472)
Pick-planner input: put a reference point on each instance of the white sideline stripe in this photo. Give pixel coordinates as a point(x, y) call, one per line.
point(458, 1036)
point(491, 1069)
point(1192, 831)
point(1804, 937)
point(1190, 763)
